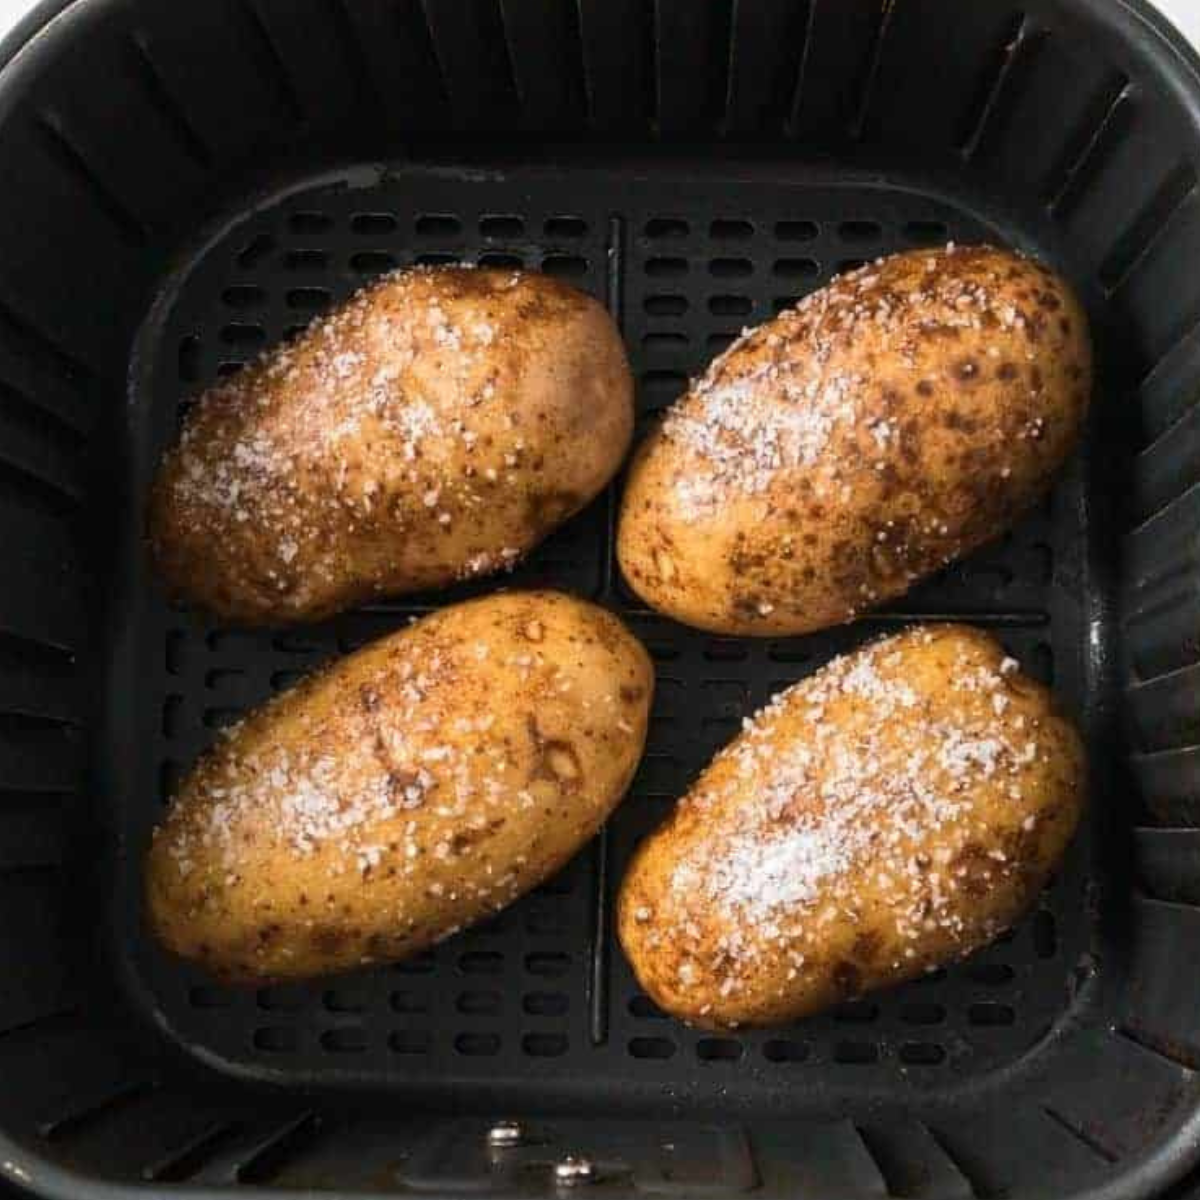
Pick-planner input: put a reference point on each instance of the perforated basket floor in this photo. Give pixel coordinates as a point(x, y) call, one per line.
point(539, 1004)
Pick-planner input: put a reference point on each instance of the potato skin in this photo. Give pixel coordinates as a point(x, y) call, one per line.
point(436, 427)
point(898, 809)
point(889, 423)
point(410, 789)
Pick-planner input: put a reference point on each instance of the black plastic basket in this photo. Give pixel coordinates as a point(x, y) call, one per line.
point(182, 184)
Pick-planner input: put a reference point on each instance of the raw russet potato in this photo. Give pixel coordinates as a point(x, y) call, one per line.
point(895, 810)
point(410, 789)
point(436, 427)
point(889, 423)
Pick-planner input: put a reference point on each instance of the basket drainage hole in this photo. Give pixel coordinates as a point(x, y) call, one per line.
point(371, 262)
point(651, 1047)
point(565, 266)
point(478, 1003)
point(438, 258)
point(501, 225)
point(545, 1004)
point(780, 1050)
point(725, 650)
point(409, 1003)
point(176, 643)
point(662, 651)
point(500, 262)
point(477, 1044)
point(856, 1053)
point(796, 231)
point(859, 231)
point(170, 775)
point(350, 1040)
point(718, 1050)
point(730, 306)
point(796, 268)
point(343, 1002)
point(856, 1012)
point(438, 225)
point(283, 998)
point(172, 716)
point(256, 250)
point(244, 295)
point(545, 924)
point(666, 267)
point(922, 1014)
point(936, 976)
point(789, 652)
point(188, 359)
point(730, 268)
point(666, 227)
point(481, 962)
point(560, 885)
point(209, 997)
point(306, 260)
point(645, 1009)
point(665, 341)
point(309, 298)
point(1041, 663)
point(373, 224)
point(1045, 935)
point(929, 232)
point(670, 383)
point(418, 964)
point(277, 1039)
point(548, 963)
point(310, 222)
point(1041, 559)
point(921, 1054)
point(565, 227)
point(730, 229)
point(544, 1045)
point(991, 1014)
point(409, 1041)
point(665, 306)
point(220, 718)
point(992, 974)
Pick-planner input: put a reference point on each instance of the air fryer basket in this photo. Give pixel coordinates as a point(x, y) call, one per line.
point(186, 184)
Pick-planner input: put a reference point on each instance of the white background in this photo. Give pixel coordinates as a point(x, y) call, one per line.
point(1185, 13)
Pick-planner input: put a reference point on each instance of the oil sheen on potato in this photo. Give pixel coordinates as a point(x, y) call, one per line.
point(896, 810)
point(830, 459)
point(418, 785)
